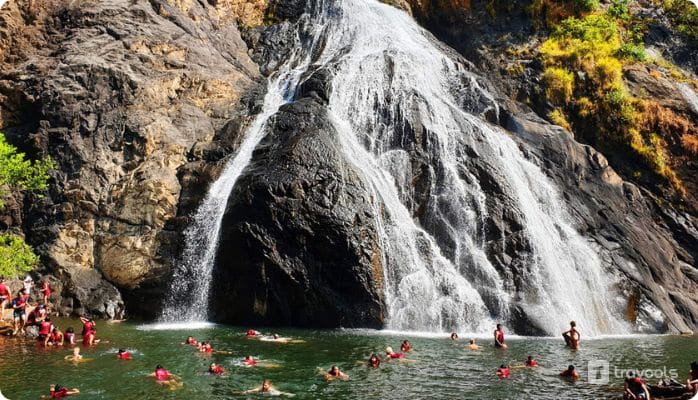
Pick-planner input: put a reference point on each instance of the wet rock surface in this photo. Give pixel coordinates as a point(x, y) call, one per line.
point(298, 243)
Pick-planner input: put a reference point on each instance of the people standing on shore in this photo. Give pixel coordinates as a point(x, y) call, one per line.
point(28, 285)
point(19, 312)
point(572, 336)
point(45, 290)
point(499, 337)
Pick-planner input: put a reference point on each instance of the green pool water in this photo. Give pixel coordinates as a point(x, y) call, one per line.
point(442, 369)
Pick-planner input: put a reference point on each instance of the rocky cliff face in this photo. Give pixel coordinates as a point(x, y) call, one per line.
point(122, 95)
point(141, 101)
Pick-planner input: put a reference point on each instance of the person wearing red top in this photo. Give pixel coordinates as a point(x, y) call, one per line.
point(251, 333)
point(90, 339)
point(58, 391)
point(391, 354)
point(19, 312)
point(45, 329)
point(5, 295)
point(56, 337)
point(191, 341)
point(69, 336)
point(206, 348)
point(635, 388)
point(45, 290)
point(503, 371)
point(249, 361)
point(216, 369)
point(122, 354)
point(570, 373)
point(406, 346)
point(374, 361)
point(87, 325)
point(164, 377)
point(530, 362)
point(499, 337)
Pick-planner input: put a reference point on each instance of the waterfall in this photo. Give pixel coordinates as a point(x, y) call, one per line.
point(396, 91)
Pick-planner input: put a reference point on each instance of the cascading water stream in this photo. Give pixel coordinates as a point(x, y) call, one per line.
point(395, 93)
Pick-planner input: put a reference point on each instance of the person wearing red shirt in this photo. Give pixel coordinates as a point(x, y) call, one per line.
point(499, 337)
point(5, 296)
point(216, 369)
point(45, 290)
point(406, 346)
point(530, 362)
point(58, 391)
point(122, 354)
point(503, 371)
point(570, 373)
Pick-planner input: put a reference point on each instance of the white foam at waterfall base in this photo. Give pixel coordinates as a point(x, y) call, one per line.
point(176, 326)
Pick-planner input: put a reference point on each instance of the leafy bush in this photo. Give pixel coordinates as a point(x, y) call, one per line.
point(16, 173)
point(632, 52)
point(619, 10)
point(559, 84)
point(16, 257)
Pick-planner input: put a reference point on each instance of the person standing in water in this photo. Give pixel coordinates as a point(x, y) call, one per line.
point(570, 373)
point(499, 337)
point(572, 336)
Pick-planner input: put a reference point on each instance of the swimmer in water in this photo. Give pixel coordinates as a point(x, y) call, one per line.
point(267, 388)
point(58, 391)
point(216, 369)
point(570, 373)
point(75, 357)
point(473, 346)
point(503, 371)
point(530, 362)
point(405, 346)
point(454, 336)
point(374, 361)
point(335, 373)
point(69, 336)
point(191, 341)
point(499, 337)
point(251, 333)
point(206, 347)
point(122, 354)
point(249, 361)
point(164, 377)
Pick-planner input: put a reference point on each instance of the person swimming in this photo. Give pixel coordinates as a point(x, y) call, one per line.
point(251, 333)
point(216, 369)
point(635, 388)
point(503, 371)
point(405, 346)
point(75, 356)
point(390, 354)
point(499, 337)
point(454, 336)
point(58, 391)
point(572, 336)
point(56, 337)
point(473, 345)
point(335, 373)
point(267, 388)
point(122, 354)
point(249, 361)
point(374, 361)
point(191, 341)
point(205, 347)
point(530, 362)
point(570, 373)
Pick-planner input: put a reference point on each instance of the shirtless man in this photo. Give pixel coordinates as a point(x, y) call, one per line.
point(473, 345)
point(572, 336)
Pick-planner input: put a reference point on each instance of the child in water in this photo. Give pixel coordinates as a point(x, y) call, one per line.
point(503, 371)
point(75, 357)
point(374, 361)
point(216, 369)
point(122, 354)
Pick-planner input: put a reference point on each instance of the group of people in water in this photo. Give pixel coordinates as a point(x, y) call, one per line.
point(38, 322)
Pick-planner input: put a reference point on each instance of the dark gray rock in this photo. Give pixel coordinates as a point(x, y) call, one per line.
point(298, 243)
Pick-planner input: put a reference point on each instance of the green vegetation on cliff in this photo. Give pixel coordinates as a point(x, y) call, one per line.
point(684, 15)
point(19, 174)
point(584, 59)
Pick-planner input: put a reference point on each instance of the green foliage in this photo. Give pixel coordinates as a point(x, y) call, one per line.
point(619, 10)
point(632, 52)
point(587, 5)
point(559, 84)
point(17, 173)
point(684, 15)
point(16, 257)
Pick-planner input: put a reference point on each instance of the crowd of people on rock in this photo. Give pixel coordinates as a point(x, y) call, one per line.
point(35, 321)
